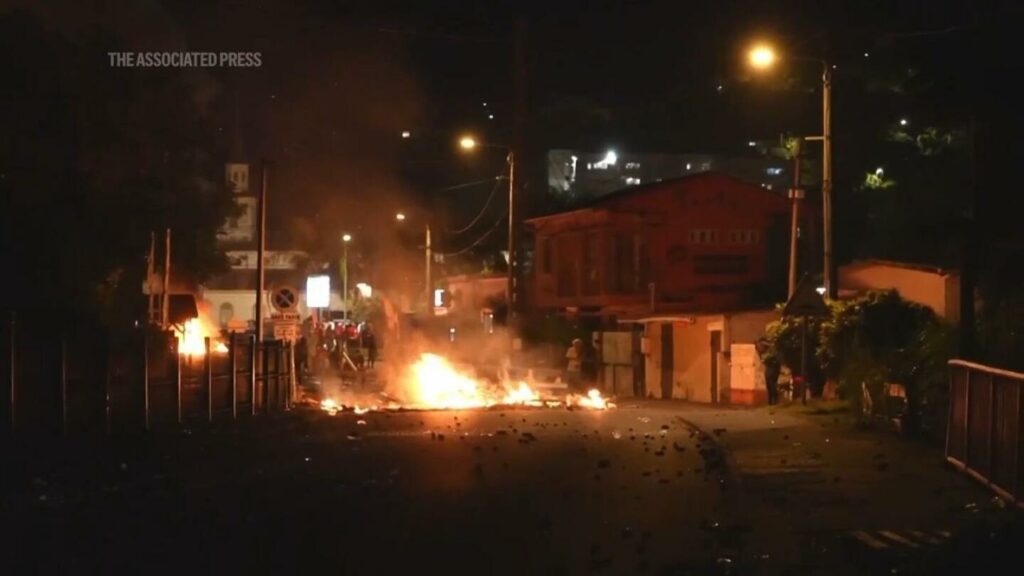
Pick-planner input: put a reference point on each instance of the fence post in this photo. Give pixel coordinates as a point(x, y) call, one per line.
point(265, 372)
point(967, 417)
point(12, 377)
point(107, 369)
point(177, 378)
point(209, 380)
point(145, 377)
point(63, 383)
point(233, 360)
point(253, 360)
point(290, 396)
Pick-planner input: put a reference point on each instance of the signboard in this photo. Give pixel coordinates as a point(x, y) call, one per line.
point(285, 299)
point(286, 330)
point(318, 292)
point(286, 317)
point(806, 301)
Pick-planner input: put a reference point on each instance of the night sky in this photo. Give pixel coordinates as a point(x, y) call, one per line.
point(341, 81)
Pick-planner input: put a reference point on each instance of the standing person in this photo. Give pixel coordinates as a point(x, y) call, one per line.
point(772, 369)
point(370, 344)
point(574, 358)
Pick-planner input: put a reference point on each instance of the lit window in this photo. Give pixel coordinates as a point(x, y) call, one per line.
point(774, 171)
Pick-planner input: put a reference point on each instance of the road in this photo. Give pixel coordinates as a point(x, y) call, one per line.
point(517, 491)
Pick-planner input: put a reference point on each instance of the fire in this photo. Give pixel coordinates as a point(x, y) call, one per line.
point(433, 383)
point(330, 406)
point(592, 400)
point(523, 395)
point(191, 339)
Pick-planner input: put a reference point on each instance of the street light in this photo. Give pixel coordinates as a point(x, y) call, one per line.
point(469, 143)
point(345, 239)
point(400, 217)
point(763, 57)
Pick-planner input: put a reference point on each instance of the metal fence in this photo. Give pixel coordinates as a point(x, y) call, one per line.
point(86, 380)
point(984, 435)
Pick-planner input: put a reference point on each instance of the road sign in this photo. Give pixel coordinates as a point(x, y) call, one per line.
point(286, 330)
point(285, 299)
point(286, 317)
point(806, 301)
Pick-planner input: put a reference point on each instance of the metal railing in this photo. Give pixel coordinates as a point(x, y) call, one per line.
point(984, 434)
point(84, 381)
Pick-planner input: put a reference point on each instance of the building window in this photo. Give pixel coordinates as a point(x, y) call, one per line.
point(591, 257)
point(642, 263)
point(545, 255)
point(565, 272)
point(703, 236)
point(226, 313)
point(744, 236)
point(620, 279)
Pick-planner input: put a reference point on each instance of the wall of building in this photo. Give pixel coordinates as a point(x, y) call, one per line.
point(243, 304)
point(936, 289)
point(703, 242)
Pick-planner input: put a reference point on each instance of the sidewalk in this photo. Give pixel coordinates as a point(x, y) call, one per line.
point(814, 491)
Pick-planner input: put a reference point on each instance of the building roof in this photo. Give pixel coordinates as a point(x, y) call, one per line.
point(641, 189)
point(904, 265)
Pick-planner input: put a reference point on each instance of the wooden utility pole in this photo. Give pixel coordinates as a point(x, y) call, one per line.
point(166, 294)
point(261, 228)
point(516, 156)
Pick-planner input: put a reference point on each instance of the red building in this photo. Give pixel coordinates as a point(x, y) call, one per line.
point(706, 242)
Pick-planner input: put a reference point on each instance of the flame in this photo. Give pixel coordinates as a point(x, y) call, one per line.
point(592, 400)
point(523, 395)
point(434, 383)
point(191, 339)
point(330, 406)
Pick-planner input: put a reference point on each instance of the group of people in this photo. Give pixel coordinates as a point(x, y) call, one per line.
point(338, 345)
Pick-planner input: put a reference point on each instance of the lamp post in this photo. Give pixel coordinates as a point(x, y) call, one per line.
point(427, 288)
point(762, 57)
point(470, 143)
point(345, 239)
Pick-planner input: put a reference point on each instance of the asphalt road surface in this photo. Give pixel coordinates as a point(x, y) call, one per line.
point(634, 490)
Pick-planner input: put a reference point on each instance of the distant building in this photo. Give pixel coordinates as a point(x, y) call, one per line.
point(702, 243)
point(231, 297)
point(936, 288)
point(577, 175)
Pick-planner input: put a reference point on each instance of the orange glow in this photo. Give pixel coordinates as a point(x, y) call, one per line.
point(191, 339)
point(434, 383)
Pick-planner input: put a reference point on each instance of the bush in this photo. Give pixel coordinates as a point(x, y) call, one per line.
point(873, 340)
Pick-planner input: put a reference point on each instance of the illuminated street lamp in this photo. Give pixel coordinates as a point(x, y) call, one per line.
point(345, 239)
point(468, 142)
point(400, 217)
point(763, 57)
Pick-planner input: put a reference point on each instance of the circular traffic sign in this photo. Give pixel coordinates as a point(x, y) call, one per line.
point(285, 299)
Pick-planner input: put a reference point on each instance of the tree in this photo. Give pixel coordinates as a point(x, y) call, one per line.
point(94, 159)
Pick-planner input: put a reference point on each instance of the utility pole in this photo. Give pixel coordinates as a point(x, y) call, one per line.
point(517, 152)
point(795, 194)
point(426, 261)
point(826, 179)
point(511, 234)
point(261, 229)
point(166, 301)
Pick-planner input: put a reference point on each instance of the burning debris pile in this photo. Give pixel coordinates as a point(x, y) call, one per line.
point(433, 383)
point(191, 338)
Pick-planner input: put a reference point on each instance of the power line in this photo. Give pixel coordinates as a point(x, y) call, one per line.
point(480, 215)
point(478, 240)
point(471, 184)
